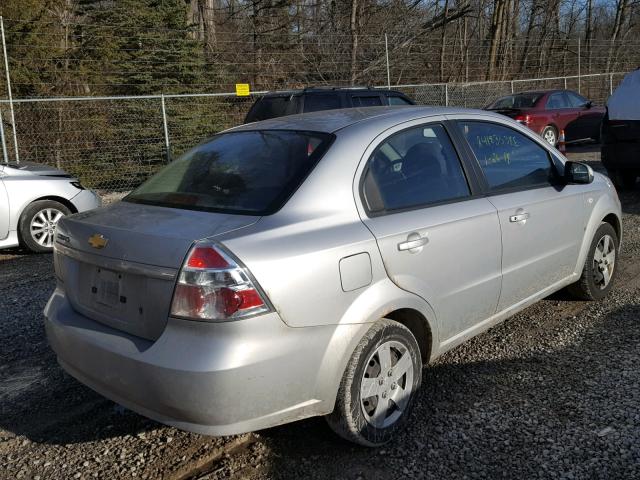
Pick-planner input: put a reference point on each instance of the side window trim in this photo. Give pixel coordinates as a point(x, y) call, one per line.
point(486, 189)
point(474, 190)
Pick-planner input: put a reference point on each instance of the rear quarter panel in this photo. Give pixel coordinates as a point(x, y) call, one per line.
point(295, 254)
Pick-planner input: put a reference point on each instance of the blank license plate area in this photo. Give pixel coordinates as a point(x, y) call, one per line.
point(107, 288)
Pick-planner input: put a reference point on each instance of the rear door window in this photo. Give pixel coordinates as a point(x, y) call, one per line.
point(366, 100)
point(557, 100)
point(273, 107)
point(316, 103)
point(395, 100)
point(508, 158)
point(251, 172)
point(416, 167)
point(521, 100)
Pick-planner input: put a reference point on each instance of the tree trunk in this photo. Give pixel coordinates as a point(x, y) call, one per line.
point(495, 35)
point(353, 29)
point(443, 40)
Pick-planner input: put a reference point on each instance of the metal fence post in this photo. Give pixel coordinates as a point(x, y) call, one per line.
point(6, 68)
point(611, 84)
point(565, 83)
point(166, 128)
point(386, 51)
point(579, 66)
point(446, 94)
point(5, 155)
point(512, 90)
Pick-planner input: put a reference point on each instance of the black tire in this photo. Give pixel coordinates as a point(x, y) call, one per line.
point(550, 129)
point(349, 419)
point(623, 179)
point(587, 288)
point(27, 237)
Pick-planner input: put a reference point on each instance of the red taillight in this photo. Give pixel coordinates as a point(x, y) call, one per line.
point(524, 119)
point(212, 286)
point(206, 257)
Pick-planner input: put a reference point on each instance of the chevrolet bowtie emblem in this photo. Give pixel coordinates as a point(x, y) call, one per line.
point(98, 241)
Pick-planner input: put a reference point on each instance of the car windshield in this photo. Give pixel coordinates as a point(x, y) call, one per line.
point(520, 100)
point(251, 172)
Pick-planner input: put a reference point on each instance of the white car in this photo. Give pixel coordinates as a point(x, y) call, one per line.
point(33, 198)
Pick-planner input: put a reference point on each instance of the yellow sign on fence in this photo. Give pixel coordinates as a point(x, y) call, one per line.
point(242, 89)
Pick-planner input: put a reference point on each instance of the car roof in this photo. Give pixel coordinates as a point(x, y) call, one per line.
point(330, 121)
point(313, 90)
point(541, 92)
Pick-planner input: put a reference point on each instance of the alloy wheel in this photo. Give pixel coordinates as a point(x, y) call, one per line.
point(604, 260)
point(386, 384)
point(550, 136)
point(43, 226)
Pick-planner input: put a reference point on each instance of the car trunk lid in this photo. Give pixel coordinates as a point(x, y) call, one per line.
point(119, 263)
point(510, 112)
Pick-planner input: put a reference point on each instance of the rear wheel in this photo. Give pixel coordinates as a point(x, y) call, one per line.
point(379, 385)
point(599, 269)
point(550, 135)
point(38, 224)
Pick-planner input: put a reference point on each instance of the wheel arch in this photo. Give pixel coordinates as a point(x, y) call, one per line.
point(419, 326)
point(615, 222)
point(605, 210)
point(54, 198)
point(67, 203)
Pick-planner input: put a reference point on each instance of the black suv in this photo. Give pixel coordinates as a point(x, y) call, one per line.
point(278, 104)
point(620, 135)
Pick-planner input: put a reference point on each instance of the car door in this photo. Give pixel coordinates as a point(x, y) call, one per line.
point(564, 117)
point(437, 238)
point(542, 219)
point(4, 209)
point(590, 117)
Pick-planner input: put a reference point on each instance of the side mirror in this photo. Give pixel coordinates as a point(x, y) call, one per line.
point(576, 172)
point(588, 105)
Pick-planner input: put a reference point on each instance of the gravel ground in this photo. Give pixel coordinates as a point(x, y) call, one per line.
point(553, 392)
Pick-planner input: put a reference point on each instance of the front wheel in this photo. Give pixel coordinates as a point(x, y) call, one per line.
point(38, 224)
point(379, 385)
point(599, 269)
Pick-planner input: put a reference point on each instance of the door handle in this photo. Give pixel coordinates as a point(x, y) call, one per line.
point(413, 241)
point(519, 217)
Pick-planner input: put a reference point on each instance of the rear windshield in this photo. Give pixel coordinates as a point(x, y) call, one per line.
point(251, 172)
point(273, 107)
point(520, 100)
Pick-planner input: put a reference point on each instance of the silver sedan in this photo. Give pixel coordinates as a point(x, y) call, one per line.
point(33, 198)
point(311, 265)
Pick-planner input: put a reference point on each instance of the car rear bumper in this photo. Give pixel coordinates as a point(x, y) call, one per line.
point(211, 378)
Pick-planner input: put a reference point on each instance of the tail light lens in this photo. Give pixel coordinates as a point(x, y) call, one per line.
point(212, 286)
point(524, 119)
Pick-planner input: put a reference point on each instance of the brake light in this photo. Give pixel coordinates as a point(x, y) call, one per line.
point(524, 119)
point(213, 286)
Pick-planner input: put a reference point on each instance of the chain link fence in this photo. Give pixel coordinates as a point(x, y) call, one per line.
point(112, 144)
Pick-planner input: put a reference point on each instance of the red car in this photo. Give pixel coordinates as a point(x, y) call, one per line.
point(546, 112)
